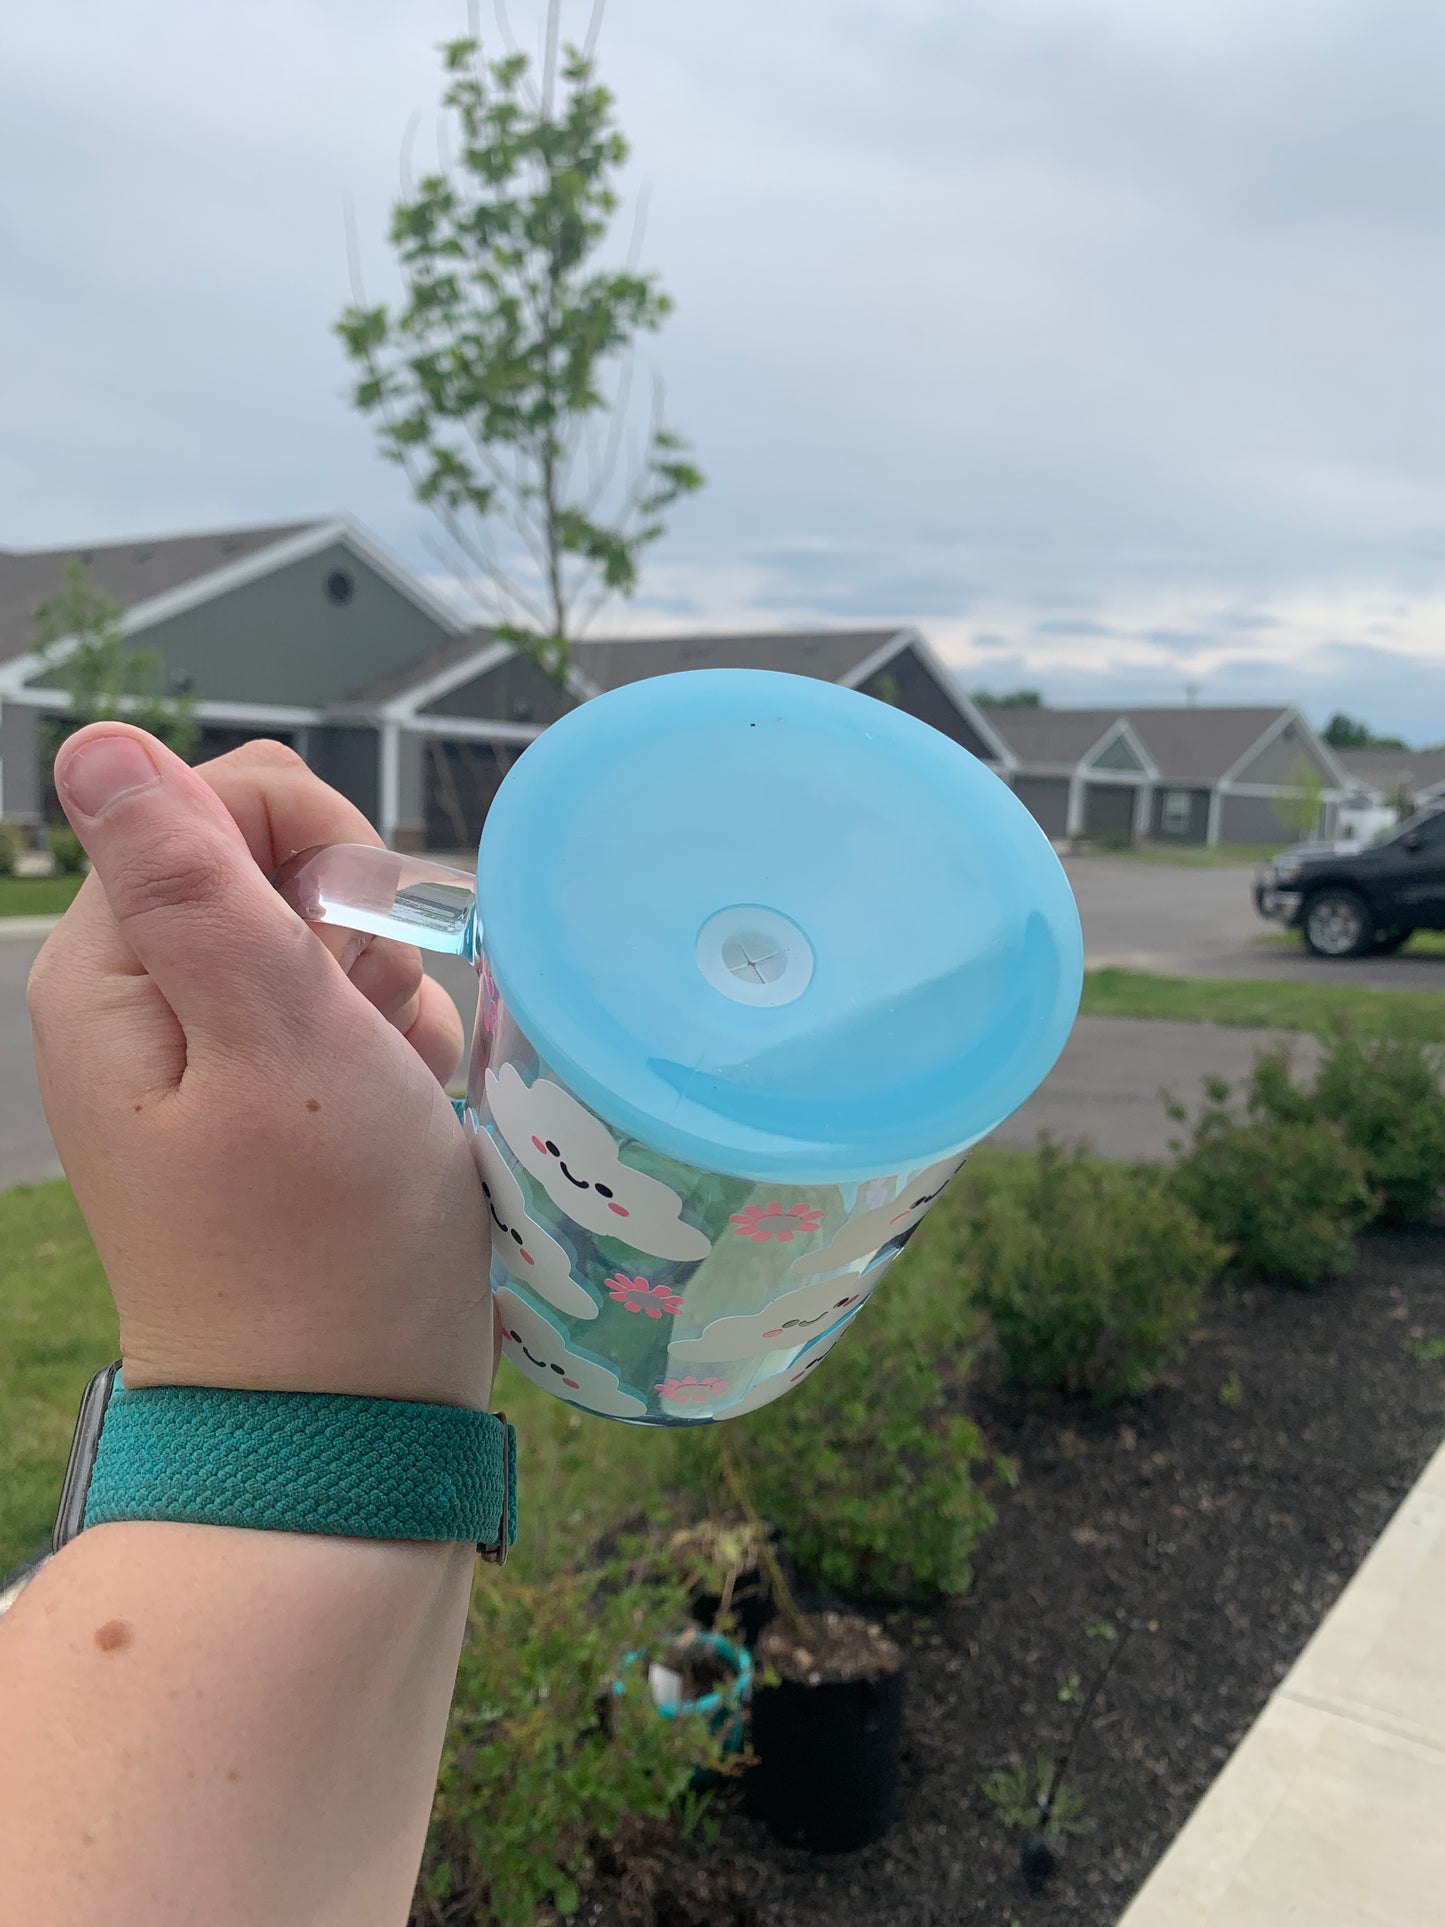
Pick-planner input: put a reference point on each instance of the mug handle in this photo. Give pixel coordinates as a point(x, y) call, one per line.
point(364, 887)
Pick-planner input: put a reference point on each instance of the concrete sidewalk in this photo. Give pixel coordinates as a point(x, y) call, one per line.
point(1331, 1812)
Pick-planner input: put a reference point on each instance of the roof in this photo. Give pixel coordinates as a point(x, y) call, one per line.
point(395, 682)
point(831, 655)
point(129, 572)
point(1389, 770)
point(1055, 737)
point(1193, 746)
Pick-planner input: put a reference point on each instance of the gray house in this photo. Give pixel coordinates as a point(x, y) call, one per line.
point(311, 633)
point(1394, 779)
point(1185, 775)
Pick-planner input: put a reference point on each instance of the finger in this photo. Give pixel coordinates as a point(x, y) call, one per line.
point(436, 1033)
point(229, 958)
point(280, 806)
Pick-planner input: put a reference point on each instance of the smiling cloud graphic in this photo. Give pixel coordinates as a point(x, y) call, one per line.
point(539, 1352)
point(867, 1231)
point(573, 1157)
point(791, 1319)
point(527, 1251)
point(767, 1389)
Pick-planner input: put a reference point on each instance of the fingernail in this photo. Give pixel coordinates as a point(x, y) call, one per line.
point(97, 773)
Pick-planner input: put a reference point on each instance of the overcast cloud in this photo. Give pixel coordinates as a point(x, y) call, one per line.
point(1102, 338)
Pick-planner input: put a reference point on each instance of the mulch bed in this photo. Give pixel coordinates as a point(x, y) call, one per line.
point(1227, 1525)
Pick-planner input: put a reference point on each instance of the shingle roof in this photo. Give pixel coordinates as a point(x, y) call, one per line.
point(457, 649)
point(829, 655)
point(1389, 770)
point(1051, 737)
point(128, 572)
point(1193, 746)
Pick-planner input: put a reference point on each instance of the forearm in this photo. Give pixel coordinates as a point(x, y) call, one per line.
point(222, 1726)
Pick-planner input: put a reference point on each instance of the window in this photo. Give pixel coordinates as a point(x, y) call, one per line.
point(339, 587)
point(1175, 815)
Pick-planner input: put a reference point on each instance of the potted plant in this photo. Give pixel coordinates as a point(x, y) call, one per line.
point(827, 1715)
point(721, 1567)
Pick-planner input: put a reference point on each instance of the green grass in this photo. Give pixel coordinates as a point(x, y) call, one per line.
point(1258, 1005)
point(36, 896)
point(581, 1475)
point(1196, 856)
point(1424, 943)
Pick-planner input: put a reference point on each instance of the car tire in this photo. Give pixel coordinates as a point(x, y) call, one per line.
point(1336, 923)
point(1387, 942)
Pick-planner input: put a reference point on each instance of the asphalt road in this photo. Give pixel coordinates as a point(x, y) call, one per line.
point(1106, 1085)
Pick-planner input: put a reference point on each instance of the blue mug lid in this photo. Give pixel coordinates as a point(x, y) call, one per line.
point(777, 929)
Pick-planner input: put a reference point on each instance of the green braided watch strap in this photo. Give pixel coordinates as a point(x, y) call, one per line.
point(363, 1468)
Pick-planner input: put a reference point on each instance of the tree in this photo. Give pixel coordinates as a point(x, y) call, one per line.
point(1010, 699)
point(101, 674)
point(1348, 732)
point(501, 382)
point(1298, 807)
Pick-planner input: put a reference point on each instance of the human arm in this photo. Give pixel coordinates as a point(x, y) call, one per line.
point(202, 1723)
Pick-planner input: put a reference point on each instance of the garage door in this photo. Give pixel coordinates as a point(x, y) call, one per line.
point(461, 780)
point(1048, 798)
point(1109, 809)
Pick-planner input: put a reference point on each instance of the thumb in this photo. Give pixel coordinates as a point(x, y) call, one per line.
point(187, 898)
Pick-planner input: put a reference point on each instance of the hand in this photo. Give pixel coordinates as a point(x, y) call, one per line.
point(249, 1110)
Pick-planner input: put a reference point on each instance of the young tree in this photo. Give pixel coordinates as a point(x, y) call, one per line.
point(1298, 807)
point(501, 381)
point(102, 675)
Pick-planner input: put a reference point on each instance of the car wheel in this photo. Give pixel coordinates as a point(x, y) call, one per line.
point(1337, 923)
point(1387, 942)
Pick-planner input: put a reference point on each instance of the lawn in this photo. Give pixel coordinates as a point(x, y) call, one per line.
point(36, 896)
point(1192, 856)
point(1262, 1005)
point(1424, 943)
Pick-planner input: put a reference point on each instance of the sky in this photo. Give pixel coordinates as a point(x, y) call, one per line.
point(1100, 338)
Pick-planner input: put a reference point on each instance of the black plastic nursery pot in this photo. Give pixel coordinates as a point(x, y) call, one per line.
point(827, 1751)
point(750, 1607)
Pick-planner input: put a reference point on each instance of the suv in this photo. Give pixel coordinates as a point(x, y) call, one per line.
point(1348, 901)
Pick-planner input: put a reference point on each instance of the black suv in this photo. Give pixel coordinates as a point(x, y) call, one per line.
point(1348, 902)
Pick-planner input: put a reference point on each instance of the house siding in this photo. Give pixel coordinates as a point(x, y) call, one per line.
point(516, 691)
point(1047, 800)
point(907, 683)
point(1195, 828)
point(1278, 762)
point(279, 640)
point(1252, 819)
point(20, 795)
point(1118, 756)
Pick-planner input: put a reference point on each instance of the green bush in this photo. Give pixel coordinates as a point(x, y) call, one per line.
point(873, 1479)
point(67, 850)
point(11, 844)
point(1092, 1274)
point(1286, 1193)
point(543, 1761)
point(1384, 1095)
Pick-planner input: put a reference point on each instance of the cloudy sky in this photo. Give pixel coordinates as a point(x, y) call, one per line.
point(1102, 338)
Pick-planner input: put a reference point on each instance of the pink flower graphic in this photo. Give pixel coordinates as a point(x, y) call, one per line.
point(760, 1222)
point(637, 1295)
point(692, 1391)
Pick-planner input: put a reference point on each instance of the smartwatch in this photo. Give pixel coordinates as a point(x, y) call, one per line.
point(316, 1462)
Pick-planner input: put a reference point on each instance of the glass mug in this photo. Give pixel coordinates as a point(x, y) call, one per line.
point(760, 959)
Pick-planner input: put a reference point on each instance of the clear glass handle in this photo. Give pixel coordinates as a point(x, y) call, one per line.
point(376, 891)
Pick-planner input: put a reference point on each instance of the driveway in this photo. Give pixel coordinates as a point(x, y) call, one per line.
point(1181, 922)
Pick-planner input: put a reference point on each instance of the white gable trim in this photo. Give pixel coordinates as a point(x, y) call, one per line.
point(407, 704)
point(947, 683)
point(1121, 726)
point(1290, 714)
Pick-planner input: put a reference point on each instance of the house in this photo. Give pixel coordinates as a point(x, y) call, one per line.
point(311, 632)
point(1185, 775)
point(1386, 784)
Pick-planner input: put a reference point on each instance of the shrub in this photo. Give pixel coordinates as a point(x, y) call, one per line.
point(543, 1761)
point(67, 850)
point(874, 1481)
point(1286, 1193)
point(11, 844)
point(1384, 1094)
point(1092, 1274)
